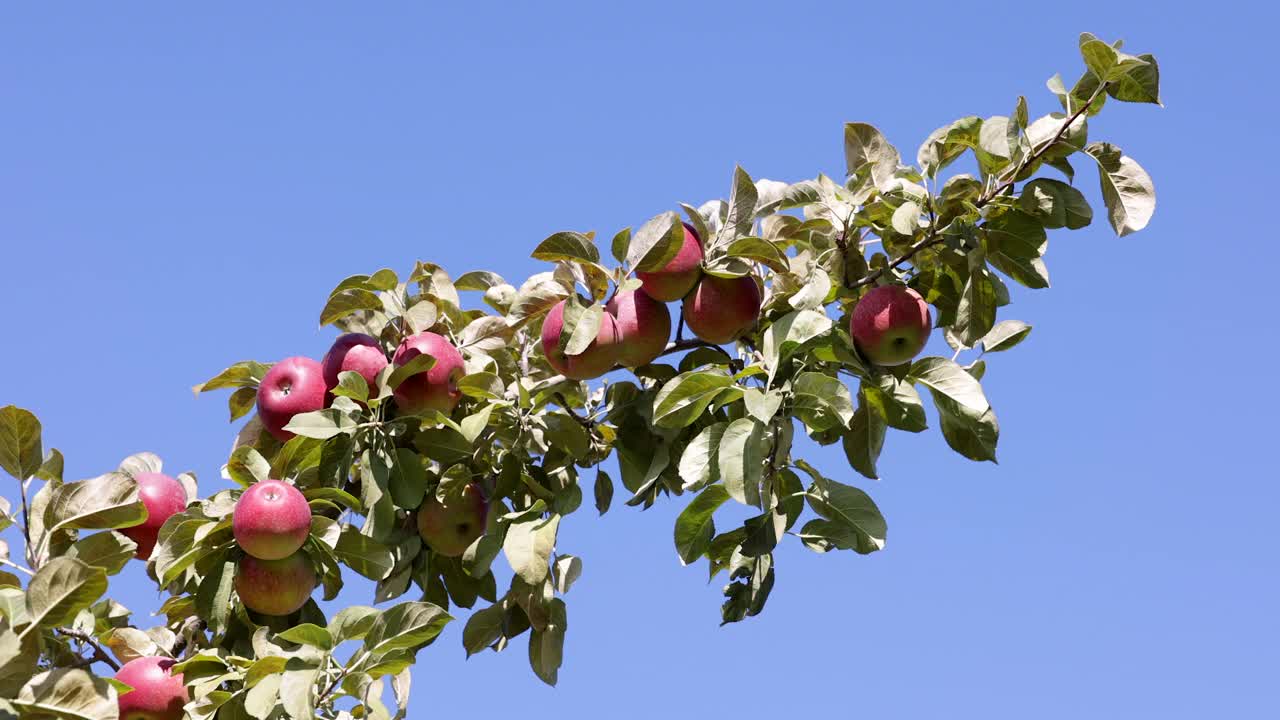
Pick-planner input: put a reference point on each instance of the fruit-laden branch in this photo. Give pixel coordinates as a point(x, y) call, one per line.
point(99, 653)
point(933, 238)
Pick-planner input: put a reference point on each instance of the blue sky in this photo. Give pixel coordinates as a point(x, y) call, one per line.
point(179, 189)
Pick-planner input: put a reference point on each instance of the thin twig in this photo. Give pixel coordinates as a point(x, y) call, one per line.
point(932, 238)
point(16, 566)
point(99, 653)
point(564, 403)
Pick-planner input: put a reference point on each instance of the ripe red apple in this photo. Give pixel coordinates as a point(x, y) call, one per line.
point(157, 693)
point(599, 357)
point(721, 310)
point(271, 520)
point(437, 388)
point(644, 326)
point(890, 324)
point(450, 527)
point(355, 352)
point(292, 386)
point(275, 587)
point(675, 279)
point(163, 497)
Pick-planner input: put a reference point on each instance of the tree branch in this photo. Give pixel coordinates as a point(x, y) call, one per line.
point(26, 526)
point(932, 238)
point(99, 653)
point(587, 423)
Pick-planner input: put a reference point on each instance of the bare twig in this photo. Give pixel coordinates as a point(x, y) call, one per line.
point(26, 526)
point(16, 566)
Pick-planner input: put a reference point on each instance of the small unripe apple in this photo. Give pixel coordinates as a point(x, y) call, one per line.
point(157, 694)
point(890, 324)
point(271, 520)
point(450, 527)
point(644, 326)
point(437, 388)
point(354, 352)
point(275, 587)
point(675, 279)
point(721, 310)
point(163, 497)
point(291, 387)
point(599, 357)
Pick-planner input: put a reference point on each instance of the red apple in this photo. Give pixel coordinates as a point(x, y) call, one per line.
point(291, 387)
point(721, 310)
point(275, 587)
point(271, 520)
point(599, 357)
point(163, 497)
point(355, 352)
point(890, 324)
point(675, 279)
point(157, 693)
point(437, 388)
point(644, 326)
point(450, 527)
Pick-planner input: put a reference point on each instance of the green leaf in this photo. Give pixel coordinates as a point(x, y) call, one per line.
point(741, 459)
point(603, 491)
point(906, 218)
point(363, 554)
point(352, 623)
point(656, 243)
point(1098, 56)
point(308, 634)
point(568, 246)
point(247, 466)
point(976, 313)
point(528, 547)
point(20, 450)
point(240, 402)
point(101, 503)
point(896, 401)
point(1127, 190)
point(1136, 82)
point(759, 250)
point(853, 518)
point(867, 151)
point(581, 326)
point(948, 143)
point(405, 626)
point(416, 365)
point(323, 424)
point(565, 572)
point(1055, 204)
point(699, 463)
point(864, 440)
point(946, 378)
point(478, 280)
point(245, 374)
point(68, 694)
point(213, 599)
point(482, 386)
point(107, 550)
point(821, 401)
point(1005, 335)
point(620, 245)
point(408, 479)
point(763, 532)
point(346, 302)
point(546, 645)
point(742, 209)
point(695, 525)
point(18, 658)
point(791, 331)
point(1014, 243)
point(684, 398)
point(535, 297)
point(60, 589)
point(760, 404)
point(353, 385)
point(972, 434)
point(483, 629)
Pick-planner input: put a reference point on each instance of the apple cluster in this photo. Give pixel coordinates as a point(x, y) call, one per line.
point(636, 324)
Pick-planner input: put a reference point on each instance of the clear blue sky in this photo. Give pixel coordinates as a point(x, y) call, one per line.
point(179, 189)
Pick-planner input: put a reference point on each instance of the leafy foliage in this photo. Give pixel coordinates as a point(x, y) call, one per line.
point(715, 423)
